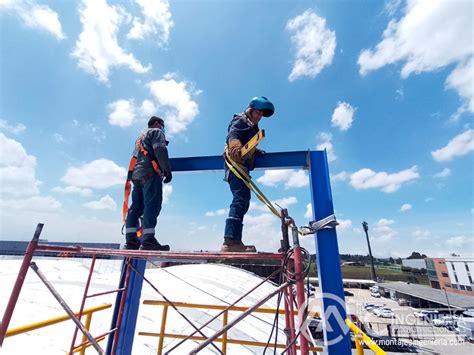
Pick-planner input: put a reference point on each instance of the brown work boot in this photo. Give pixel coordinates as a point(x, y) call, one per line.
point(236, 246)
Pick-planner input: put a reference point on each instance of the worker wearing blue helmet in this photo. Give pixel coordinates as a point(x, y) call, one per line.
point(241, 129)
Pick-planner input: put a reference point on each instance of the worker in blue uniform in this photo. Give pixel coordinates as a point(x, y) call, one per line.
point(241, 129)
point(149, 169)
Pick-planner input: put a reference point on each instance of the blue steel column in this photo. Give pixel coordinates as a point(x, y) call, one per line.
point(327, 254)
point(130, 312)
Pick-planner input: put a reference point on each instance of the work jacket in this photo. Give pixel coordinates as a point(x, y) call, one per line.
point(154, 142)
point(243, 129)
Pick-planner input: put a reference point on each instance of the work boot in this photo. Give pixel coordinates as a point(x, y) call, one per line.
point(236, 246)
point(153, 245)
point(131, 246)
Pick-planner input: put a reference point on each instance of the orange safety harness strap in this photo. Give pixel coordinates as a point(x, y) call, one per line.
point(128, 185)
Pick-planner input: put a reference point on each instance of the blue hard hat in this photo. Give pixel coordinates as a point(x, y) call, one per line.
point(261, 103)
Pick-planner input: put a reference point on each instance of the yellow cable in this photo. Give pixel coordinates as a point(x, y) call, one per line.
point(239, 171)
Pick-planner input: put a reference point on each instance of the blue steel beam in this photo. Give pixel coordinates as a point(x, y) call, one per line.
point(270, 160)
point(327, 255)
point(327, 250)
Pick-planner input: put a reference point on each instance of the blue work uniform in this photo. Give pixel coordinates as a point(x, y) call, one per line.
point(147, 194)
point(243, 129)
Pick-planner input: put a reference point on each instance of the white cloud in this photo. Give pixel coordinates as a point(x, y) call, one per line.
point(43, 204)
point(283, 203)
point(12, 128)
point(444, 173)
point(175, 99)
point(17, 170)
point(405, 207)
point(105, 203)
point(430, 36)
point(383, 230)
point(98, 174)
point(148, 108)
point(35, 16)
point(167, 191)
point(461, 79)
point(344, 224)
point(291, 178)
point(314, 44)
point(342, 116)
point(458, 146)
point(421, 234)
point(459, 242)
point(342, 176)
point(122, 113)
point(309, 211)
point(367, 179)
point(74, 190)
point(97, 48)
point(156, 21)
point(221, 212)
point(325, 139)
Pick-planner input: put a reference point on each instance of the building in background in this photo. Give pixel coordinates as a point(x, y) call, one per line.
point(414, 263)
point(451, 274)
point(461, 271)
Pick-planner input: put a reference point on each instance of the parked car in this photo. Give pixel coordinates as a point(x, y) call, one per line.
point(379, 310)
point(426, 314)
point(375, 294)
point(386, 314)
point(403, 302)
point(446, 321)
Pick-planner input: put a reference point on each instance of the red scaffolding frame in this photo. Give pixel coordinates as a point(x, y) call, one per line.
point(293, 276)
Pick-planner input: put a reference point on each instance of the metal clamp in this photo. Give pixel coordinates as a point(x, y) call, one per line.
point(325, 223)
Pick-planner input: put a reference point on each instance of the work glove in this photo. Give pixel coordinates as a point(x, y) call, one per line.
point(167, 177)
point(260, 152)
point(234, 148)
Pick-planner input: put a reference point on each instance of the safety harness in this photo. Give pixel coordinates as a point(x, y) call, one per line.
point(128, 185)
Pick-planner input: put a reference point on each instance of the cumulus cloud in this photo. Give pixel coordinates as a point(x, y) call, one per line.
point(443, 173)
point(344, 224)
point(167, 191)
point(43, 204)
point(221, 212)
point(459, 242)
point(72, 190)
point(342, 116)
point(122, 113)
point(309, 211)
point(156, 21)
point(97, 48)
point(383, 230)
point(35, 16)
point(17, 169)
point(369, 179)
point(105, 203)
point(421, 234)
point(98, 174)
point(342, 176)
point(12, 128)
point(314, 44)
point(325, 143)
point(175, 100)
point(431, 35)
point(460, 145)
point(290, 178)
point(405, 207)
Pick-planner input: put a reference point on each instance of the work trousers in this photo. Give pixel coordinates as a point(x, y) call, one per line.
point(147, 196)
point(238, 208)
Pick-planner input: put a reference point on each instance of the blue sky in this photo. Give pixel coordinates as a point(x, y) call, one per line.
point(385, 87)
